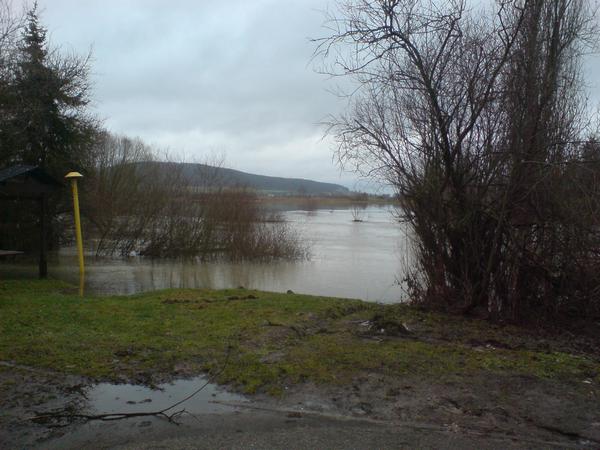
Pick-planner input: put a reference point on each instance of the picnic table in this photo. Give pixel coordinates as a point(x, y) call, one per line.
point(10, 252)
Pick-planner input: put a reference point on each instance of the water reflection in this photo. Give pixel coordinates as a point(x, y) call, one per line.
point(349, 259)
point(105, 398)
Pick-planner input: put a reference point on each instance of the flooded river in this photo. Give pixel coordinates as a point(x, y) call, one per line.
point(348, 259)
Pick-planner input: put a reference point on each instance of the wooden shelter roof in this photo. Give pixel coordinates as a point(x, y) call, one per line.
point(22, 181)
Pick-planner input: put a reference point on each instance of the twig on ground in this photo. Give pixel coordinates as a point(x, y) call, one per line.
point(171, 417)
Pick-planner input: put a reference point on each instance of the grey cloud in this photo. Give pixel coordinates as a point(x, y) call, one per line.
point(204, 76)
point(196, 77)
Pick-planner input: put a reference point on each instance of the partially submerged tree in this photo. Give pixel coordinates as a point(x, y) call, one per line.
point(476, 120)
point(139, 205)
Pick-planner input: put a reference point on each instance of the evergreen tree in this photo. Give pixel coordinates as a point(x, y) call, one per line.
point(44, 122)
point(48, 125)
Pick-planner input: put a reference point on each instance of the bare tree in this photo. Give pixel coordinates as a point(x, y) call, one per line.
point(357, 213)
point(10, 26)
point(140, 205)
point(121, 201)
point(472, 117)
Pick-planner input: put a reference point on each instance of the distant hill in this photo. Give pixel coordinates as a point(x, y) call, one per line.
point(197, 174)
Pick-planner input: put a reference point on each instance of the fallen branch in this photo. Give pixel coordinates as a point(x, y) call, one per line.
point(163, 413)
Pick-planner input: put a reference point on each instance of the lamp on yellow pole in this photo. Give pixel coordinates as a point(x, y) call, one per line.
point(73, 177)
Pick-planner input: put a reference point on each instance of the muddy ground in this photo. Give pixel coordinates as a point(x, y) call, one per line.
point(374, 411)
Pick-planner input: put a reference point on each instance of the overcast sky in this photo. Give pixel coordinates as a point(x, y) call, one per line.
point(209, 77)
point(205, 77)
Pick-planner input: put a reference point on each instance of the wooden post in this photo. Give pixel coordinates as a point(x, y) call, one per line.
point(43, 264)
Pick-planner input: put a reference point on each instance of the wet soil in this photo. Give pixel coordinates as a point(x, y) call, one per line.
point(520, 407)
point(26, 393)
point(519, 412)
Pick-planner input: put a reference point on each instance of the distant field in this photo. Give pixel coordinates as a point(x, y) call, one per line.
point(308, 203)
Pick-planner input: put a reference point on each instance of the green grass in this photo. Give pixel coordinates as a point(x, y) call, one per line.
point(275, 339)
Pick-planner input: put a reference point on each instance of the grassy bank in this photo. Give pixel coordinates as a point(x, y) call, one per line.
point(274, 339)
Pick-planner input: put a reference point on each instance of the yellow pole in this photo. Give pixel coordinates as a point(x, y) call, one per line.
point(73, 177)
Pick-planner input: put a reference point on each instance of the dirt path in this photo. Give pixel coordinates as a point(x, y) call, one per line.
point(374, 412)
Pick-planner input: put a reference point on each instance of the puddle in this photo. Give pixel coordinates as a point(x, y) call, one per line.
point(119, 398)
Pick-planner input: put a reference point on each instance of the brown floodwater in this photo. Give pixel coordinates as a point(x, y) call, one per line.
point(348, 259)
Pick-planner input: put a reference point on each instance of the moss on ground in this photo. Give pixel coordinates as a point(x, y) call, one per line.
point(272, 339)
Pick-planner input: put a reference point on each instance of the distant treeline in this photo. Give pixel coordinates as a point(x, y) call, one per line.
point(230, 178)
